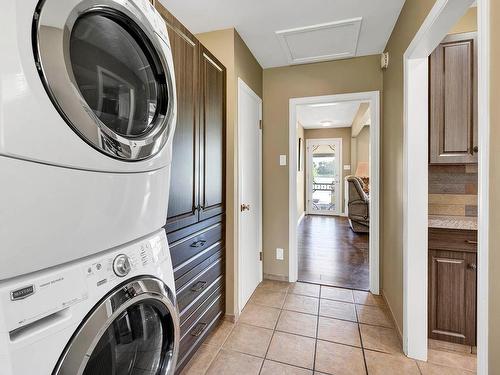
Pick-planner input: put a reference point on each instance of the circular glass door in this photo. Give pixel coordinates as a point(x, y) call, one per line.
point(136, 343)
point(108, 73)
point(134, 330)
point(115, 75)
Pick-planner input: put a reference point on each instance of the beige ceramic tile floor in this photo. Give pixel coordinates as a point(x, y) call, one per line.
point(307, 329)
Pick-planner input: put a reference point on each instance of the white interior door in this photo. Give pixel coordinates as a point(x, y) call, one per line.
point(250, 191)
point(324, 176)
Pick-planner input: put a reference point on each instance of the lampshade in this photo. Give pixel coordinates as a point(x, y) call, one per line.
point(363, 169)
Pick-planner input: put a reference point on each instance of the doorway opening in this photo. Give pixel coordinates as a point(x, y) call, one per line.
point(435, 160)
point(334, 187)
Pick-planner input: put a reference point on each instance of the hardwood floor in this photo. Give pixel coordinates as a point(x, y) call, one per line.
point(331, 253)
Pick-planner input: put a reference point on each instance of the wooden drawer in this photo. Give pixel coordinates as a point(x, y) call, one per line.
point(453, 239)
point(188, 247)
point(201, 261)
point(194, 306)
point(198, 285)
point(179, 234)
point(200, 323)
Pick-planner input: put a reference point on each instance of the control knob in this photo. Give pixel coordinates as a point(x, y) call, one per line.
point(121, 265)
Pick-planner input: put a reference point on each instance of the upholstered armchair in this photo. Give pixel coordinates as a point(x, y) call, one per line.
point(358, 205)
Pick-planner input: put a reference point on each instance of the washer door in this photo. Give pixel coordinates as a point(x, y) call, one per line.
point(135, 330)
point(108, 73)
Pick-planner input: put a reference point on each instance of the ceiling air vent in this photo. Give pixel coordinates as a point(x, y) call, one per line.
point(326, 41)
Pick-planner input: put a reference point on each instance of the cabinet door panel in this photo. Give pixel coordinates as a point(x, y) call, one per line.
point(212, 132)
point(452, 296)
point(183, 195)
point(453, 100)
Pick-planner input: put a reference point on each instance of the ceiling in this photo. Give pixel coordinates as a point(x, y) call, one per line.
point(336, 115)
point(315, 30)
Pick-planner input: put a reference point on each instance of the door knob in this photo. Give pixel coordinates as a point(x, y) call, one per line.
point(244, 207)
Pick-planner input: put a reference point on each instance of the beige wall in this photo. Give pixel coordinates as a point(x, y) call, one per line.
point(345, 134)
point(281, 84)
point(412, 15)
point(246, 66)
point(230, 49)
point(411, 18)
point(494, 250)
point(467, 24)
point(301, 181)
point(362, 147)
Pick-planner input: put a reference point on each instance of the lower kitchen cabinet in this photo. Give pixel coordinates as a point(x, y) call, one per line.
point(452, 285)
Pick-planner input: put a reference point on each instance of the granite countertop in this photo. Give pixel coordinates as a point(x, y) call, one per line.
point(453, 222)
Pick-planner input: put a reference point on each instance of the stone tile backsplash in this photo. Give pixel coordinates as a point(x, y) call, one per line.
point(453, 190)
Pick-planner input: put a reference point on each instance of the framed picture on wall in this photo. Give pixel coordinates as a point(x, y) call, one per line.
point(299, 159)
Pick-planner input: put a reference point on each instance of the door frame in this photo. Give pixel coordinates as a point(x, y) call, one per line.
point(243, 87)
point(309, 169)
point(440, 20)
point(373, 97)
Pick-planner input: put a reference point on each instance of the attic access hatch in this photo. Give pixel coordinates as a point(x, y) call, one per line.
point(326, 41)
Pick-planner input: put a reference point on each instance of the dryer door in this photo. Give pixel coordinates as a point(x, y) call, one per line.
point(134, 330)
point(108, 72)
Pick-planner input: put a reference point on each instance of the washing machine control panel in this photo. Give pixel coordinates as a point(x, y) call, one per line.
point(30, 298)
point(132, 259)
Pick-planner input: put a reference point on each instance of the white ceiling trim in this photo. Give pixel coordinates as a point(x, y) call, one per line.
point(353, 26)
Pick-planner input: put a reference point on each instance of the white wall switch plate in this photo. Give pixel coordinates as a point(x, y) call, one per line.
point(279, 253)
point(347, 167)
point(282, 159)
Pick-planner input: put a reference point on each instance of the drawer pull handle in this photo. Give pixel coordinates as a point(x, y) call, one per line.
point(199, 243)
point(471, 242)
point(199, 329)
point(200, 285)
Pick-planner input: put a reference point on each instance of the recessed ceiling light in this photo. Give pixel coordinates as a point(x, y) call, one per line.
point(326, 123)
point(322, 104)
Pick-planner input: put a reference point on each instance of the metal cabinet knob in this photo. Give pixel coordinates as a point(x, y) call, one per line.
point(200, 285)
point(472, 266)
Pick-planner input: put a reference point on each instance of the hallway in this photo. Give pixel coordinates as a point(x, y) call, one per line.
point(330, 253)
point(301, 329)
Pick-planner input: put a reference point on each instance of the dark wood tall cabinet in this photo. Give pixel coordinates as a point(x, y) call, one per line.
point(453, 101)
point(212, 135)
point(184, 196)
point(195, 224)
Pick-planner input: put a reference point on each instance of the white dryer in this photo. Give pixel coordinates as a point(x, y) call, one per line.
point(87, 115)
point(113, 313)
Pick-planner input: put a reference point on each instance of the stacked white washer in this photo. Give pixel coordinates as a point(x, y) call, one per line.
point(110, 314)
point(87, 116)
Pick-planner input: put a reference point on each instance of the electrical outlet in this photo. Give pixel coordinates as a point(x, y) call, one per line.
point(282, 160)
point(279, 253)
